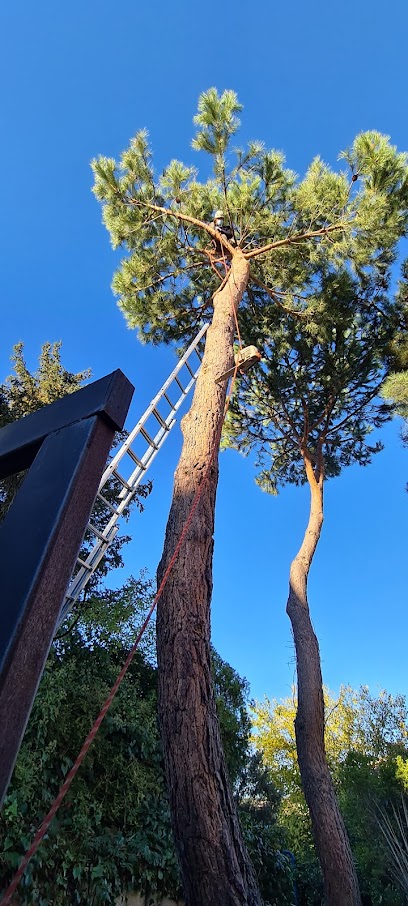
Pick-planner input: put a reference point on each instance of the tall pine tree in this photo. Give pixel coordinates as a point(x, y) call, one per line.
point(183, 264)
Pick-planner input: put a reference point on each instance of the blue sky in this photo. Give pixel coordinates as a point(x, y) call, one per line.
point(80, 79)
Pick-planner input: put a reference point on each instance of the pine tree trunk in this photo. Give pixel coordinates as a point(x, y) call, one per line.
point(215, 867)
point(332, 843)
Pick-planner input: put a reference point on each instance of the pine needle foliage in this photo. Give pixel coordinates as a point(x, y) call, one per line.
point(287, 227)
point(25, 392)
point(395, 387)
point(316, 390)
point(394, 827)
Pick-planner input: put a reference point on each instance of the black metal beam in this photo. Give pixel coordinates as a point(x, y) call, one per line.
point(40, 539)
point(20, 441)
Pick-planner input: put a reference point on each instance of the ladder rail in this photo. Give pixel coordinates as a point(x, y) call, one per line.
point(86, 567)
point(172, 377)
point(83, 575)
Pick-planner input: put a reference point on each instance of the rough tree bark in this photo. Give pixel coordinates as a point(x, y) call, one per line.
point(332, 843)
point(215, 867)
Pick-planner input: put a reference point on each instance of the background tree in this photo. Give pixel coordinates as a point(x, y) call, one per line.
point(180, 269)
point(24, 392)
point(367, 745)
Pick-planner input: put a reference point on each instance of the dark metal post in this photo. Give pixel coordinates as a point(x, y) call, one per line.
point(67, 443)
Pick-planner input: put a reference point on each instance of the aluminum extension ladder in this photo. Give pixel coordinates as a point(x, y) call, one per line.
point(186, 370)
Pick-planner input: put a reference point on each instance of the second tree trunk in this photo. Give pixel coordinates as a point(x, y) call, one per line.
point(332, 843)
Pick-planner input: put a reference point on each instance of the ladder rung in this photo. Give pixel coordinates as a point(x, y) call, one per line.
point(83, 564)
point(149, 440)
point(108, 504)
point(135, 458)
point(122, 480)
point(183, 389)
point(169, 401)
point(160, 419)
point(190, 370)
point(92, 528)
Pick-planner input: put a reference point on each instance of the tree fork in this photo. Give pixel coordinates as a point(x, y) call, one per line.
point(215, 867)
point(332, 843)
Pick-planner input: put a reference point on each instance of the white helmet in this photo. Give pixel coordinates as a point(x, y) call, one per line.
point(219, 215)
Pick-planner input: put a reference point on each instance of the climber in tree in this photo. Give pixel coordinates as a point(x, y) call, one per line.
point(225, 230)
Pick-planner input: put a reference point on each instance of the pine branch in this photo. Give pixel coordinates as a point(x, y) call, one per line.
point(290, 240)
point(183, 218)
point(367, 399)
point(272, 294)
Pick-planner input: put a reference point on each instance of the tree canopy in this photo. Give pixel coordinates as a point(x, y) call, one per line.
point(166, 282)
point(316, 389)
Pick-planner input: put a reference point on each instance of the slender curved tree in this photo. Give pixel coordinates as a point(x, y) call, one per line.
point(309, 411)
point(177, 271)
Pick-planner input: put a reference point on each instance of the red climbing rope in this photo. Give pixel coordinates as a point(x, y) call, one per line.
point(42, 830)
